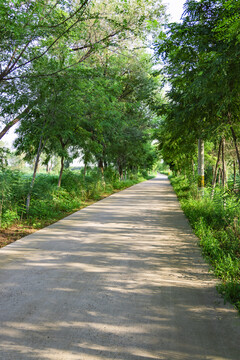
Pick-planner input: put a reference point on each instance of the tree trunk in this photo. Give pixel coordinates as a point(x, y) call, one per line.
point(48, 168)
point(1, 208)
point(40, 147)
point(100, 166)
point(214, 181)
point(120, 170)
point(236, 147)
point(219, 176)
point(84, 171)
point(224, 175)
point(13, 122)
point(201, 166)
point(234, 175)
point(61, 172)
point(105, 164)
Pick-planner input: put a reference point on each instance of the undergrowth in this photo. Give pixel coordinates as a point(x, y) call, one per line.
point(50, 203)
point(216, 223)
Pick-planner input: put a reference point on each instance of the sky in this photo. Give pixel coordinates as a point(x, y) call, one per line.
point(174, 8)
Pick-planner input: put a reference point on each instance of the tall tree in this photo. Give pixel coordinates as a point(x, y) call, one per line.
point(64, 33)
point(202, 69)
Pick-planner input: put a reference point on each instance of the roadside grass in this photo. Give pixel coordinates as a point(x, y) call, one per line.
point(48, 202)
point(216, 222)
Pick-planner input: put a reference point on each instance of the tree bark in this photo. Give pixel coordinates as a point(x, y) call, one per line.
point(61, 172)
point(13, 122)
point(201, 166)
point(84, 171)
point(40, 147)
point(224, 180)
point(219, 176)
point(48, 167)
point(105, 165)
point(100, 166)
point(214, 181)
point(234, 175)
point(236, 146)
point(120, 170)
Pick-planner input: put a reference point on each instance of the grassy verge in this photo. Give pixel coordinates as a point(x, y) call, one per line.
point(49, 203)
point(217, 224)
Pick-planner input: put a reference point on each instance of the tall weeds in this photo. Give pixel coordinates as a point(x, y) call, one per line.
point(48, 202)
point(216, 223)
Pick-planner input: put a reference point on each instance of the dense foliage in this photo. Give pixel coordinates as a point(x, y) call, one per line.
point(75, 77)
point(202, 67)
point(50, 203)
point(216, 223)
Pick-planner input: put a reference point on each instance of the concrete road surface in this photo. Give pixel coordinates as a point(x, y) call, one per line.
point(121, 279)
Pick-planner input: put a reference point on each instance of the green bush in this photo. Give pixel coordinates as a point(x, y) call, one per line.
point(216, 223)
point(9, 217)
point(49, 203)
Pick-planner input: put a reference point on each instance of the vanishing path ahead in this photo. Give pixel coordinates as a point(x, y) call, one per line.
point(121, 279)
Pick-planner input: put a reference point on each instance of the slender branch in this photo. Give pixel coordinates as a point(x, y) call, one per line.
point(8, 69)
point(236, 146)
point(67, 67)
point(48, 48)
point(234, 139)
point(224, 177)
point(84, 57)
point(44, 52)
point(13, 122)
point(57, 2)
point(97, 42)
point(18, 57)
point(12, 57)
point(216, 168)
point(40, 149)
point(71, 16)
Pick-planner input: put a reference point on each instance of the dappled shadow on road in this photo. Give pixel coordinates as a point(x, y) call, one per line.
point(122, 279)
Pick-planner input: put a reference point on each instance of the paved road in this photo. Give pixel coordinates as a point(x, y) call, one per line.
point(121, 279)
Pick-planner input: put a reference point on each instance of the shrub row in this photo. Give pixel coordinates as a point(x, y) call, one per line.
point(216, 223)
point(48, 202)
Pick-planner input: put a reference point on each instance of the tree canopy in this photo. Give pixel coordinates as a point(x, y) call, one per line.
point(42, 38)
point(202, 67)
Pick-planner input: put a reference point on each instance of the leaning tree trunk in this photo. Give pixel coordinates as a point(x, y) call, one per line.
point(236, 146)
point(13, 122)
point(214, 181)
point(234, 175)
point(224, 172)
point(201, 166)
point(219, 176)
point(61, 172)
point(40, 147)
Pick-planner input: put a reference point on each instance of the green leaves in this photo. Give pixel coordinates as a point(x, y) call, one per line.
point(201, 67)
point(101, 110)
